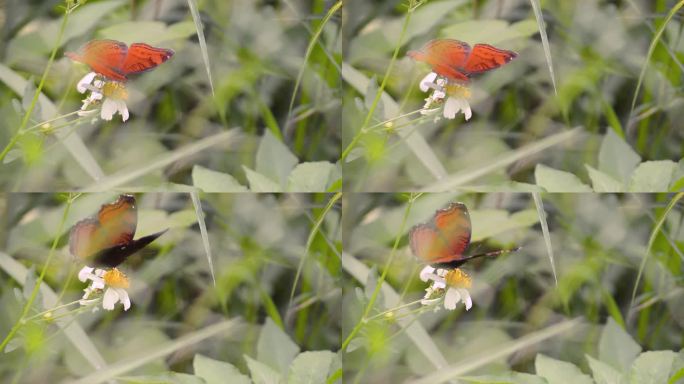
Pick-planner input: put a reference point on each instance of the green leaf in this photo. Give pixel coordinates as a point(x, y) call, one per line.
point(554, 180)
point(492, 31)
point(310, 177)
point(652, 176)
point(262, 373)
point(503, 378)
point(559, 372)
point(260, 183)
point(274, 159)
point(603, 182)
point(166, 378)
point(617, 158)
point(154, 32)
point(604, 373)
point(275, 348)
point(616, 347)
point(490, 222)
point(217, 372)
point(310, 367)
point(652, 367)
point(212, 181)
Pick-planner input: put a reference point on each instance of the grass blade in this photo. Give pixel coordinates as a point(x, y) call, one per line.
point(545, 231)
point(464, 177)
point(126, 175)
point(202, 42)
point(203, 230)
point(545, 41)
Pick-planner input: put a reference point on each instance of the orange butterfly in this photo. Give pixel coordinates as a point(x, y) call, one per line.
point(455, 59)
point(114, 60)
point(107, 240)
point(443, 241)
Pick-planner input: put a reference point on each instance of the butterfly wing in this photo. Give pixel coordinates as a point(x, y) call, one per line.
point(105, 57)
point(484, 58)
point(113, 256)
point(443, 240)
point(447, 57)
point(142, 57)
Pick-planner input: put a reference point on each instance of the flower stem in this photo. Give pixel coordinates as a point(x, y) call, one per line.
point(27, 307)
point(36, 94)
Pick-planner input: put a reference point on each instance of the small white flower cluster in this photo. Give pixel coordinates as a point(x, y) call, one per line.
point(456, 97)
point(113, 280)
point(453, 281)
point(113, 93)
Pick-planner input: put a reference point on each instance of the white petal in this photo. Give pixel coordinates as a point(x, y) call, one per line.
point(97, 283)
point(123, 296)
point(427, 270)
point(428, 79)
point(109, 108)
point(111, 297)
point(85, 80)
point(465, 295)
point(439, 283)
point(451, 298)
point(451, 108)
point(465, 107)
point(123, 109)
point(84, 273)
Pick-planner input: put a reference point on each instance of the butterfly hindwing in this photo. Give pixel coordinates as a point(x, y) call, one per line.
point(444, 239)
point(142, 57)
point(485, 57)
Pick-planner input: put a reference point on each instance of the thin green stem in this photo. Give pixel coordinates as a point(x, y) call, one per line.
point(381, 280)
point(32, 106)
point(27, 307)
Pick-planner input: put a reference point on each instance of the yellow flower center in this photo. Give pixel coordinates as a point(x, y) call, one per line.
point(116, 279)
point(457, 90)
point(115, 90)
point(458, 279)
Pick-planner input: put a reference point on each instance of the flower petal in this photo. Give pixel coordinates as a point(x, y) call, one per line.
point(123, 109)
point(109, 108)
point(465, 295)
point(451, 298)
point(451, 108)
point(465, 107)
point(84, 273)
point(428, 79)
point(111, 297)
point(424, 273)
point(123, 296)
point(81, 87)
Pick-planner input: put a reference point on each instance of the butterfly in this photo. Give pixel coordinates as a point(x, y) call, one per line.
point(115, 60)
point(443, 241)
point(107, 239)
point(457, 61)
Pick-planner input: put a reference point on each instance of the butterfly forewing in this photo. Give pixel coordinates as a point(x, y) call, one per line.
point(113, 256)
point(444, 238)
point(142, 57)
point(485, 57)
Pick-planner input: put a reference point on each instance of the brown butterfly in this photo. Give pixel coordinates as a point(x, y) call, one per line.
point(107, 239)
point(115, 60)
point(457, 61)
point(443, 241)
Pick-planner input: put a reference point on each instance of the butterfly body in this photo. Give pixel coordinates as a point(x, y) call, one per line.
point(443, 241)
point(457, 61)
point(107, 240)
point(115, 60)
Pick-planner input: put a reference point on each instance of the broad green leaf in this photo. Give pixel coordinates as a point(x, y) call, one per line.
point(554, 180)
point(490, 222)
point(212, 181)
point(617, 158)
point(652, 176)
point(166, 378)
point(217, 372)
point(603, 182)
point(507, 378)
point(652, 367)
point(260, 183)
point(262, 373)
point(310, 177)
point(604, 373)
point(274, 159)
point(616, 347)
point(154, 32)
point(559, 372)
point(492, 31)
point(310, 367)
point(275, 348)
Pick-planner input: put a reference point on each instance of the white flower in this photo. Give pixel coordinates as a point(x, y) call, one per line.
point(113, 92)
point(456, 95)
point(113, 280)
point(454, 281)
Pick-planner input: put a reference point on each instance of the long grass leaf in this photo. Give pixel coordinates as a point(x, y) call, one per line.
point(203, 231)
point(545, 231)
point(131, 173)
point(72, 330)
point(504, 160)
point(138, 360)
point(545, 41)
point(192, 4)
point(651, 240)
